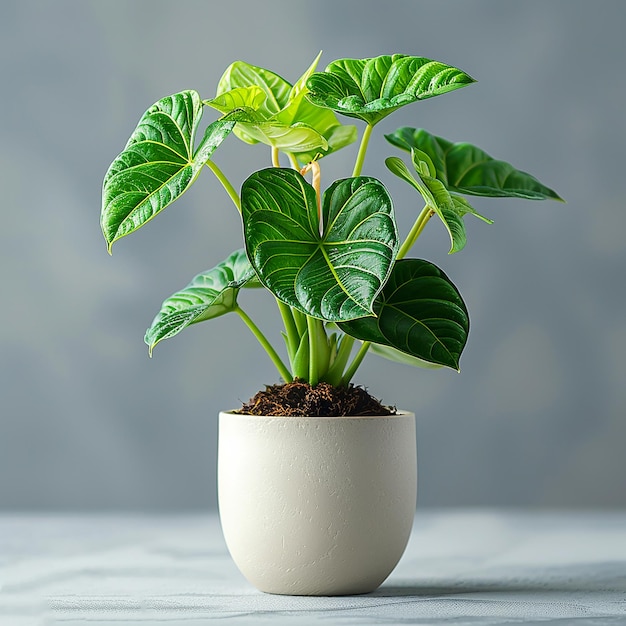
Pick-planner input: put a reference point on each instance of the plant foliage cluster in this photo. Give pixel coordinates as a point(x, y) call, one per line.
point(333, 258)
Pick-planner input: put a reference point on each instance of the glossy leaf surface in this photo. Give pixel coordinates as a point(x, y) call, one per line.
point(209, 295)
point(371, 89)
point(333, 275)
point(158, 164)
point(419, 312)
point(278, 114)
point(465, 168)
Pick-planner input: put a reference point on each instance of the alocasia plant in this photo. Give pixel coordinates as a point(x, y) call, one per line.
point(333, 259)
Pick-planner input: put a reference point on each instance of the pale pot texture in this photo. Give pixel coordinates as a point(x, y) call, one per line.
point(317, 505)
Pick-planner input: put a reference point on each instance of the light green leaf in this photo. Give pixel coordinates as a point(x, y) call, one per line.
point(158, 164)
point(278, 114)
point(371, 89)
point(337, 137)
point(253, 128)
point(251, 98)
point(391, 354)
point(419, 312)
point(437, 197)
point(243, 75)
point(208, 295)
point(299, 88)
point(465, 168)
point(334, 275)
point(323, 120)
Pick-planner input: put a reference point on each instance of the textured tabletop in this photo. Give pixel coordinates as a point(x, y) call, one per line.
point(461, 567)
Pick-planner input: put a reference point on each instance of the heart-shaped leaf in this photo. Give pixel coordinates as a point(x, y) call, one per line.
point(333, 275)
point(278, 114)
point(371, 89)
point(208, 295)
point(158, 164)
point(465, 168)
point(419, 312)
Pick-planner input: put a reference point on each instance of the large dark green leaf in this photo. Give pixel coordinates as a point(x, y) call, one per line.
point(158, 163)
point(209, 295)
point(278, 113)
point(334, 275)
point(370, 89)
point(419, 312)
point(465, 168)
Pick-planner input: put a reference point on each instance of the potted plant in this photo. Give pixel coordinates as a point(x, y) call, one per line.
point(317, 480)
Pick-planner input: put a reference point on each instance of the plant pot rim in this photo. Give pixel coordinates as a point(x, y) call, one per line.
point(398, 413)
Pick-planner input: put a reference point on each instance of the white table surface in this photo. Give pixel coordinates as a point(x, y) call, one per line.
point(461, 567)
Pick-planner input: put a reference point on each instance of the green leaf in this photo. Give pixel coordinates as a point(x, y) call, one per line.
point(337, 137)
point(419, 312)
point(243, 75)
point(158, 164)
point(278, 114)
point(251, 98)
point(437, 197)
point(209, 295)
point(465, 168)
point(288, 137)
point(391, 354)
point(334, 275)
point(463, 207)
point(371, 89)
point(323, 120)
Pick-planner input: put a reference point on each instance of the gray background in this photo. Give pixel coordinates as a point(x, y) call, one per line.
point(536, 417)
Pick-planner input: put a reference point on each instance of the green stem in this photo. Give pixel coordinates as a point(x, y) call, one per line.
point(300, 320)
point(275, 157)
point(280, 366)
point(415, 232)
point(313, 365)
point(335, 372)
point(293, 336)
point(358, 166)
point(293, 161)
point(230, 190)
point(356, 362)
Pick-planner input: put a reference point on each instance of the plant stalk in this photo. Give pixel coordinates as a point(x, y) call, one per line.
point(360, 158)
point(230, 190)
point(335, 372)
point(313, 351)
point(316, 181)
point(293, 336)
point(415, 232)
point(293, 161)
point(356, 362)
point(275, 157)
point(267, 346)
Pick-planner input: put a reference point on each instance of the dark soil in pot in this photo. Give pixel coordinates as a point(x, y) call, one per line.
point(298, 398)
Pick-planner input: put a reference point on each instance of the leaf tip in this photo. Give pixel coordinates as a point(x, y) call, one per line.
point(151, 346)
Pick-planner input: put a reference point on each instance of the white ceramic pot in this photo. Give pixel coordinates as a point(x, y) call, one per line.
point(317, 505)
